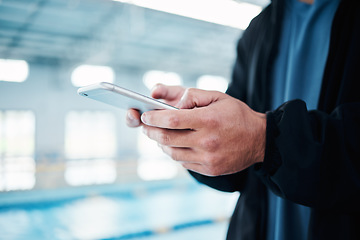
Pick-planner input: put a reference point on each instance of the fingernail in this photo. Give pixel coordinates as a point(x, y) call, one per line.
point(144, 118)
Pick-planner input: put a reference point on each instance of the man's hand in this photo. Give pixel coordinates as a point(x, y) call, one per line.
point(212, 134)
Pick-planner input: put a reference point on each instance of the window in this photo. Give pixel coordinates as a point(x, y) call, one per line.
point(88, 172)
point(90, 74)
point(90, 147)
point(13, 70)
point(209, 82)
point(17, 143)
point(151, 78)
point(153, 163)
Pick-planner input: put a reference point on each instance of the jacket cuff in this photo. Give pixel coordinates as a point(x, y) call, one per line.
point(272, 160)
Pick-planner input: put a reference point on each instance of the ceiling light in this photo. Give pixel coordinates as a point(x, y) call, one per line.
point(153, 77)
point(13, 70)
point(89, 74)
point(224, 12)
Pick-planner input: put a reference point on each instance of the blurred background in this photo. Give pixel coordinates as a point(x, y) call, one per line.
point(69, 167)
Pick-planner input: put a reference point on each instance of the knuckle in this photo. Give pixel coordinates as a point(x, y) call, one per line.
point(210, 143)
point(164, 138)
point(173, 121)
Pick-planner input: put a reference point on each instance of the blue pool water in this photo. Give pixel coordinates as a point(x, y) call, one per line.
point(171, 210)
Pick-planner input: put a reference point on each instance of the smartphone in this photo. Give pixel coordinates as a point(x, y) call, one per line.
point(121, 97)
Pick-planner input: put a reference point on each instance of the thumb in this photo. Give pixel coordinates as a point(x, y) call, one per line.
point(194, 97)
point(169, 93)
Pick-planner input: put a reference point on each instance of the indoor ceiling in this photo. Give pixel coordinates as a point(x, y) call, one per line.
point(112, 33)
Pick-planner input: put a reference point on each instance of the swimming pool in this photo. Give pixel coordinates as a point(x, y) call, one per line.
point(171, 210)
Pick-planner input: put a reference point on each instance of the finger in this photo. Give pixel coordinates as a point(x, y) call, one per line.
point(194, 97)
point(168, 93)
point(173, 119)
point(181, 155)
point(188, 158)
point(170, 137)
point(133, 118)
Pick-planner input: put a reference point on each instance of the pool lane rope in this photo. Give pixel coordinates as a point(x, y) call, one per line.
point(164, 230)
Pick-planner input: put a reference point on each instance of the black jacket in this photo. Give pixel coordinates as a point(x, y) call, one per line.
point(311, 157)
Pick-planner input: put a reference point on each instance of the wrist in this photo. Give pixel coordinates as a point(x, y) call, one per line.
point(260, 138)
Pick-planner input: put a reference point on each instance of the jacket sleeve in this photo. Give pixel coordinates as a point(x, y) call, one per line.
point(313, 158)
point(227, 183)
